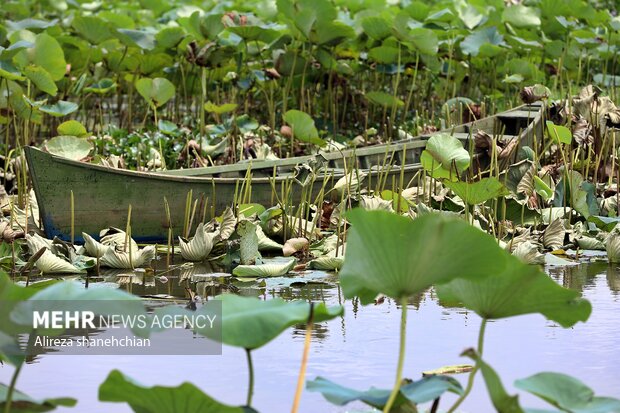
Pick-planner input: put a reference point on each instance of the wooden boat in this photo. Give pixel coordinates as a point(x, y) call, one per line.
point(102, 195)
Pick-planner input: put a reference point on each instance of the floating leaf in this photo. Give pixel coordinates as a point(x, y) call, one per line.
point(185, 398)
point(528, 253)
point(398, 257)
point(612, 245)
point(273, 269)
point(421, 391)
point(69, 147)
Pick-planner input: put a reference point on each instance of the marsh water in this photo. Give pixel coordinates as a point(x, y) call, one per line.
point(357, 350)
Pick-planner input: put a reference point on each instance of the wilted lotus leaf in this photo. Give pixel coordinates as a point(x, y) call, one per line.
point(118, 258)
point(200, 246)
point(612, 245)
point(49, 263)
point(293, 245)
point(553, 237)
point(375, 203)
point(528, 253)
point(248, 246)
point(350, 183)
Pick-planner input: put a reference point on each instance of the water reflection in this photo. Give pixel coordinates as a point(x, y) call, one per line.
point(359, 348)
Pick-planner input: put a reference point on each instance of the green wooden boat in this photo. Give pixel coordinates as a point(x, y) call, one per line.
point(102, 195)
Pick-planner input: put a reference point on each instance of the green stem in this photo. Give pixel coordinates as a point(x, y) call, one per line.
point(9, 394)
point(248, 354)
point(401, 355)
point(472, 375)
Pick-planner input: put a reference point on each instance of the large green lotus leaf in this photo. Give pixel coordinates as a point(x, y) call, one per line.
point(101, 87)
point(472, 44)
point(22, 403)
point(425, 41)
point(70, 147)
point(377, 27)
point(478, 192)
point(521, 16)
point(605, 223)
point(567, 393)
point(397, 256)
point(559, 134)
point(445, 157)
point(72, 128)
point(136, 38)
point(502, 401)
point(519, 289)
point(384, 99)
point(185, 398)
point(421, 391)
point(469, 15)
point(169, 37)
point(385, 55)
point(331, 33)
point(47, 54)
point(250, 323)
point(92, 28)
point(41, 79)
point(60, 108)
point(156, 91)
point(9, 71)
point(303, 127)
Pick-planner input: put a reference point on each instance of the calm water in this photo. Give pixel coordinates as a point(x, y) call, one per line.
point(360, 349)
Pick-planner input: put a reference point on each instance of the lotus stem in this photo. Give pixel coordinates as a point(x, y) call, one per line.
point(248, 354)
point(401, 355)
point(472, 375)
point(11, 389)
point(304, 361)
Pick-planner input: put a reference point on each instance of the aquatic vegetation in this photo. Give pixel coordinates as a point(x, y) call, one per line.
point(200, 246)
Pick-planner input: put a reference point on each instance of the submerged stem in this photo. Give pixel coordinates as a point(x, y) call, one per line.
point(304, 361)
point(248, 354)
point(401, 355)
point(472, 375)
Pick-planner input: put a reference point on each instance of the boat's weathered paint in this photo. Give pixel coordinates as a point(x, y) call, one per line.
point(102, 195)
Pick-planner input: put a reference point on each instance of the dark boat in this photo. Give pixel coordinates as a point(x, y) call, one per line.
point(102, 195)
